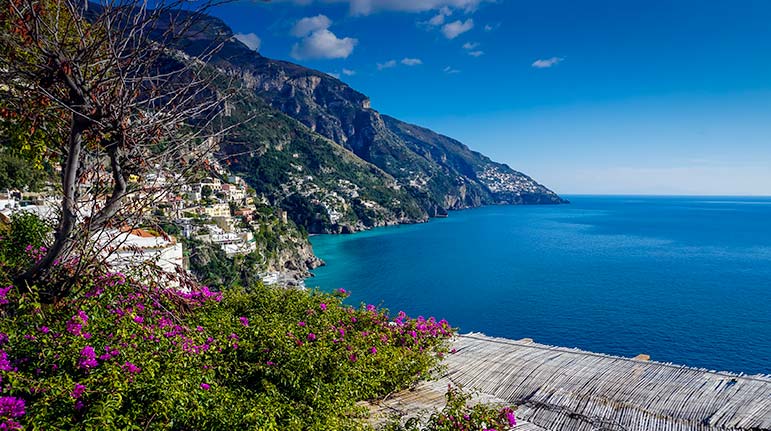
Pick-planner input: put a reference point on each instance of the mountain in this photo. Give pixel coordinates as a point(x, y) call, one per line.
point(348, 167)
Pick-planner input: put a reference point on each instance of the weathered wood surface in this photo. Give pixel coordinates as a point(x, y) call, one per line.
point(426, 398)
point(560, 389)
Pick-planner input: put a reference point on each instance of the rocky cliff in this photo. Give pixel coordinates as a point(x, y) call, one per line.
point(432, 171)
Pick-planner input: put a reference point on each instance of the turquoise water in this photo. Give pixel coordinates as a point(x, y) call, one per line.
point(683, 279)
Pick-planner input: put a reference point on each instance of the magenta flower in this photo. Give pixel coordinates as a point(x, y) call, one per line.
point(4, 294)
point(342, 291)
point(302, 324)
point(87, 358)
point(139, 319)
point(11, 407)
point(373, 350)
point(131, 368)
point(511, 418)
point(370, 307)
point(508, 413)
point(5, 364)
point(205, 386)
point(78, 391)
point(323, 306)
point(77, 322)
point(311, 337)
point(10, 425)
point(244, 321)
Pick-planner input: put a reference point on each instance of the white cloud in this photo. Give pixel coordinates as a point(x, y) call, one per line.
point(411, 61)
point(366, 7)
point(387, 65)
point(439, 18)
point(349, 72)
point(490, 27)
point(318, 42)
point(456, 28)
point(547, 63)
point(251, 40)
point(450, 70)
point(336, 75)
point(470, 47)
point(308, 25)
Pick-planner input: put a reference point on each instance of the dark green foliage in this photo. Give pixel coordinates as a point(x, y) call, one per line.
point(23, 238)
point(17, 173)
point(209, 264)
point(292, 166)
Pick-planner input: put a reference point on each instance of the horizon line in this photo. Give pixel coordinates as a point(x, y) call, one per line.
point(668, 195)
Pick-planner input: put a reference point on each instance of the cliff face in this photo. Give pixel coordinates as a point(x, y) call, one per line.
point(312, 146)
point(437, 172)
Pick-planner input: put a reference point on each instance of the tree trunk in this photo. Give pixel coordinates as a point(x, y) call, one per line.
point(63, 237)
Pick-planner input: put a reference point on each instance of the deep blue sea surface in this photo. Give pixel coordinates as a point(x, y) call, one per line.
point(683, 279)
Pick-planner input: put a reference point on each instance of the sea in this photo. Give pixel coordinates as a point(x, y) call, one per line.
point(683, 279)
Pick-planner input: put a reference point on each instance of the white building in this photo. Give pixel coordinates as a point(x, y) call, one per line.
point(131, 248)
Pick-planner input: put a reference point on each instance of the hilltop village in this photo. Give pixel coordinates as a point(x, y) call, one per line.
point(218, 209)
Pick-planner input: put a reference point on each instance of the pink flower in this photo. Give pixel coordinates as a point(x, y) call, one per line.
point(11, 407)
point(373, 350)
point(87, 358)
point(131, 368)
point(370, 307)
point(323, 306)
point(5, 364)
point(244, 321)
point(139, 319)
point(205, 386)
point(302, 324)
point(342, 291)
point(311, 337)
point(4, 294)
point(78, 391)
point(510, 417)
point(77, 322)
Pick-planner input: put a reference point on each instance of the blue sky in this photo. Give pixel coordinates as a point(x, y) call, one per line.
point(593, 96)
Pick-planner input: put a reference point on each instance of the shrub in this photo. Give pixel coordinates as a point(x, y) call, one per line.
point(22, 241)
point(120, 354)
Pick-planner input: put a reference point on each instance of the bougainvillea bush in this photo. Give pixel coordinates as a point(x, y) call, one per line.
point(123, 354)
